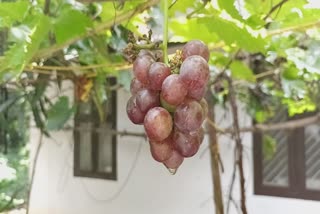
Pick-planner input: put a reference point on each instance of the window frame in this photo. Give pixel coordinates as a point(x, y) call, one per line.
point(296, 167)
point(77, 172)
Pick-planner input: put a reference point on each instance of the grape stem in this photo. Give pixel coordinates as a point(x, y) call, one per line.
point(151, 46)
point(165, 31)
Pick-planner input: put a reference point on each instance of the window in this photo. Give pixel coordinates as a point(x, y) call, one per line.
point(293, 170)
point(94, 144)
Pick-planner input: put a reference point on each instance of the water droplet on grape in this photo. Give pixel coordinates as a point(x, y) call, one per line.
point(172, 171)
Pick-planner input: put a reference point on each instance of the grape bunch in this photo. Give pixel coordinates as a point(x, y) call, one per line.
point(170, 103)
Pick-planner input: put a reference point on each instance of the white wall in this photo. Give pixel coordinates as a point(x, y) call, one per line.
point(143, 186)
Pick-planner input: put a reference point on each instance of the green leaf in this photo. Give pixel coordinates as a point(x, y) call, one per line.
point(291, 73)
point(22, 52)
point(71, 23)
point(183, 30)
point(12, 12)
point(184, 6)
point(59, 114)
point(228, 5)
point(241, 71)
point(269, 147)
point(124, 79)
point(232, 33)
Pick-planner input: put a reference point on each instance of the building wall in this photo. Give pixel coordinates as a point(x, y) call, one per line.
point(144, 186)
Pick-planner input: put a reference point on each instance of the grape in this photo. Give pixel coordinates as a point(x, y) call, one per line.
point(157, 74)
point(186, 144)
point(158, 124)
point(144, 52)
point(134, 112)
point(173, 90)
point(147, 99)
point(197, 93)
point(162, 150)
point(195, 47)
point(136, 86)
point(188, 116)
point(174, 161)
point(194, 72)
point(204, 106)
point(167, 106)
point(141, 67)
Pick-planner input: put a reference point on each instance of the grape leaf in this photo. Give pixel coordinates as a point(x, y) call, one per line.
point(59, 114)
point(70, 23)
point(241, 71)
point(228, 5)
point(232, 33)
point(194, 30)
point(20, 53)
point(9, 16)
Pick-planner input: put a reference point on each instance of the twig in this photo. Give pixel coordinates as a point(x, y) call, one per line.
point(274, 8)
point(46, 9)
point(239, 146)
point(111, 131)
point(226, 67)
point(78, 68)
point(297, 27)
point(233, 178)
point(215, 159)
point(235, 205)
point(215, 126)
point(292, 124)
point(47, 52)
point(35, 160)
point(171, 5)
point(266, 74)
point(165, 30)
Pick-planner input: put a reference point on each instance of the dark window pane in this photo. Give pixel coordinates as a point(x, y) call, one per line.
point(312, 156)
point(85, 147)
point(105, 151)
point(275, 168)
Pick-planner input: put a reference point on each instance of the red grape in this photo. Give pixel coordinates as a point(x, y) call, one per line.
point(136, 86)
point(167, 106)
point(141, 68)
point(194, 72)
point(188, 116)
point(174, 161)
point(162, 150)
point(158, 72)
point(147, 99)
point(186, 144)
point(195, 47)
point(158, 124)
point(144, 52)
point(173, 90)
point(134, 112)
point(197, 93)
